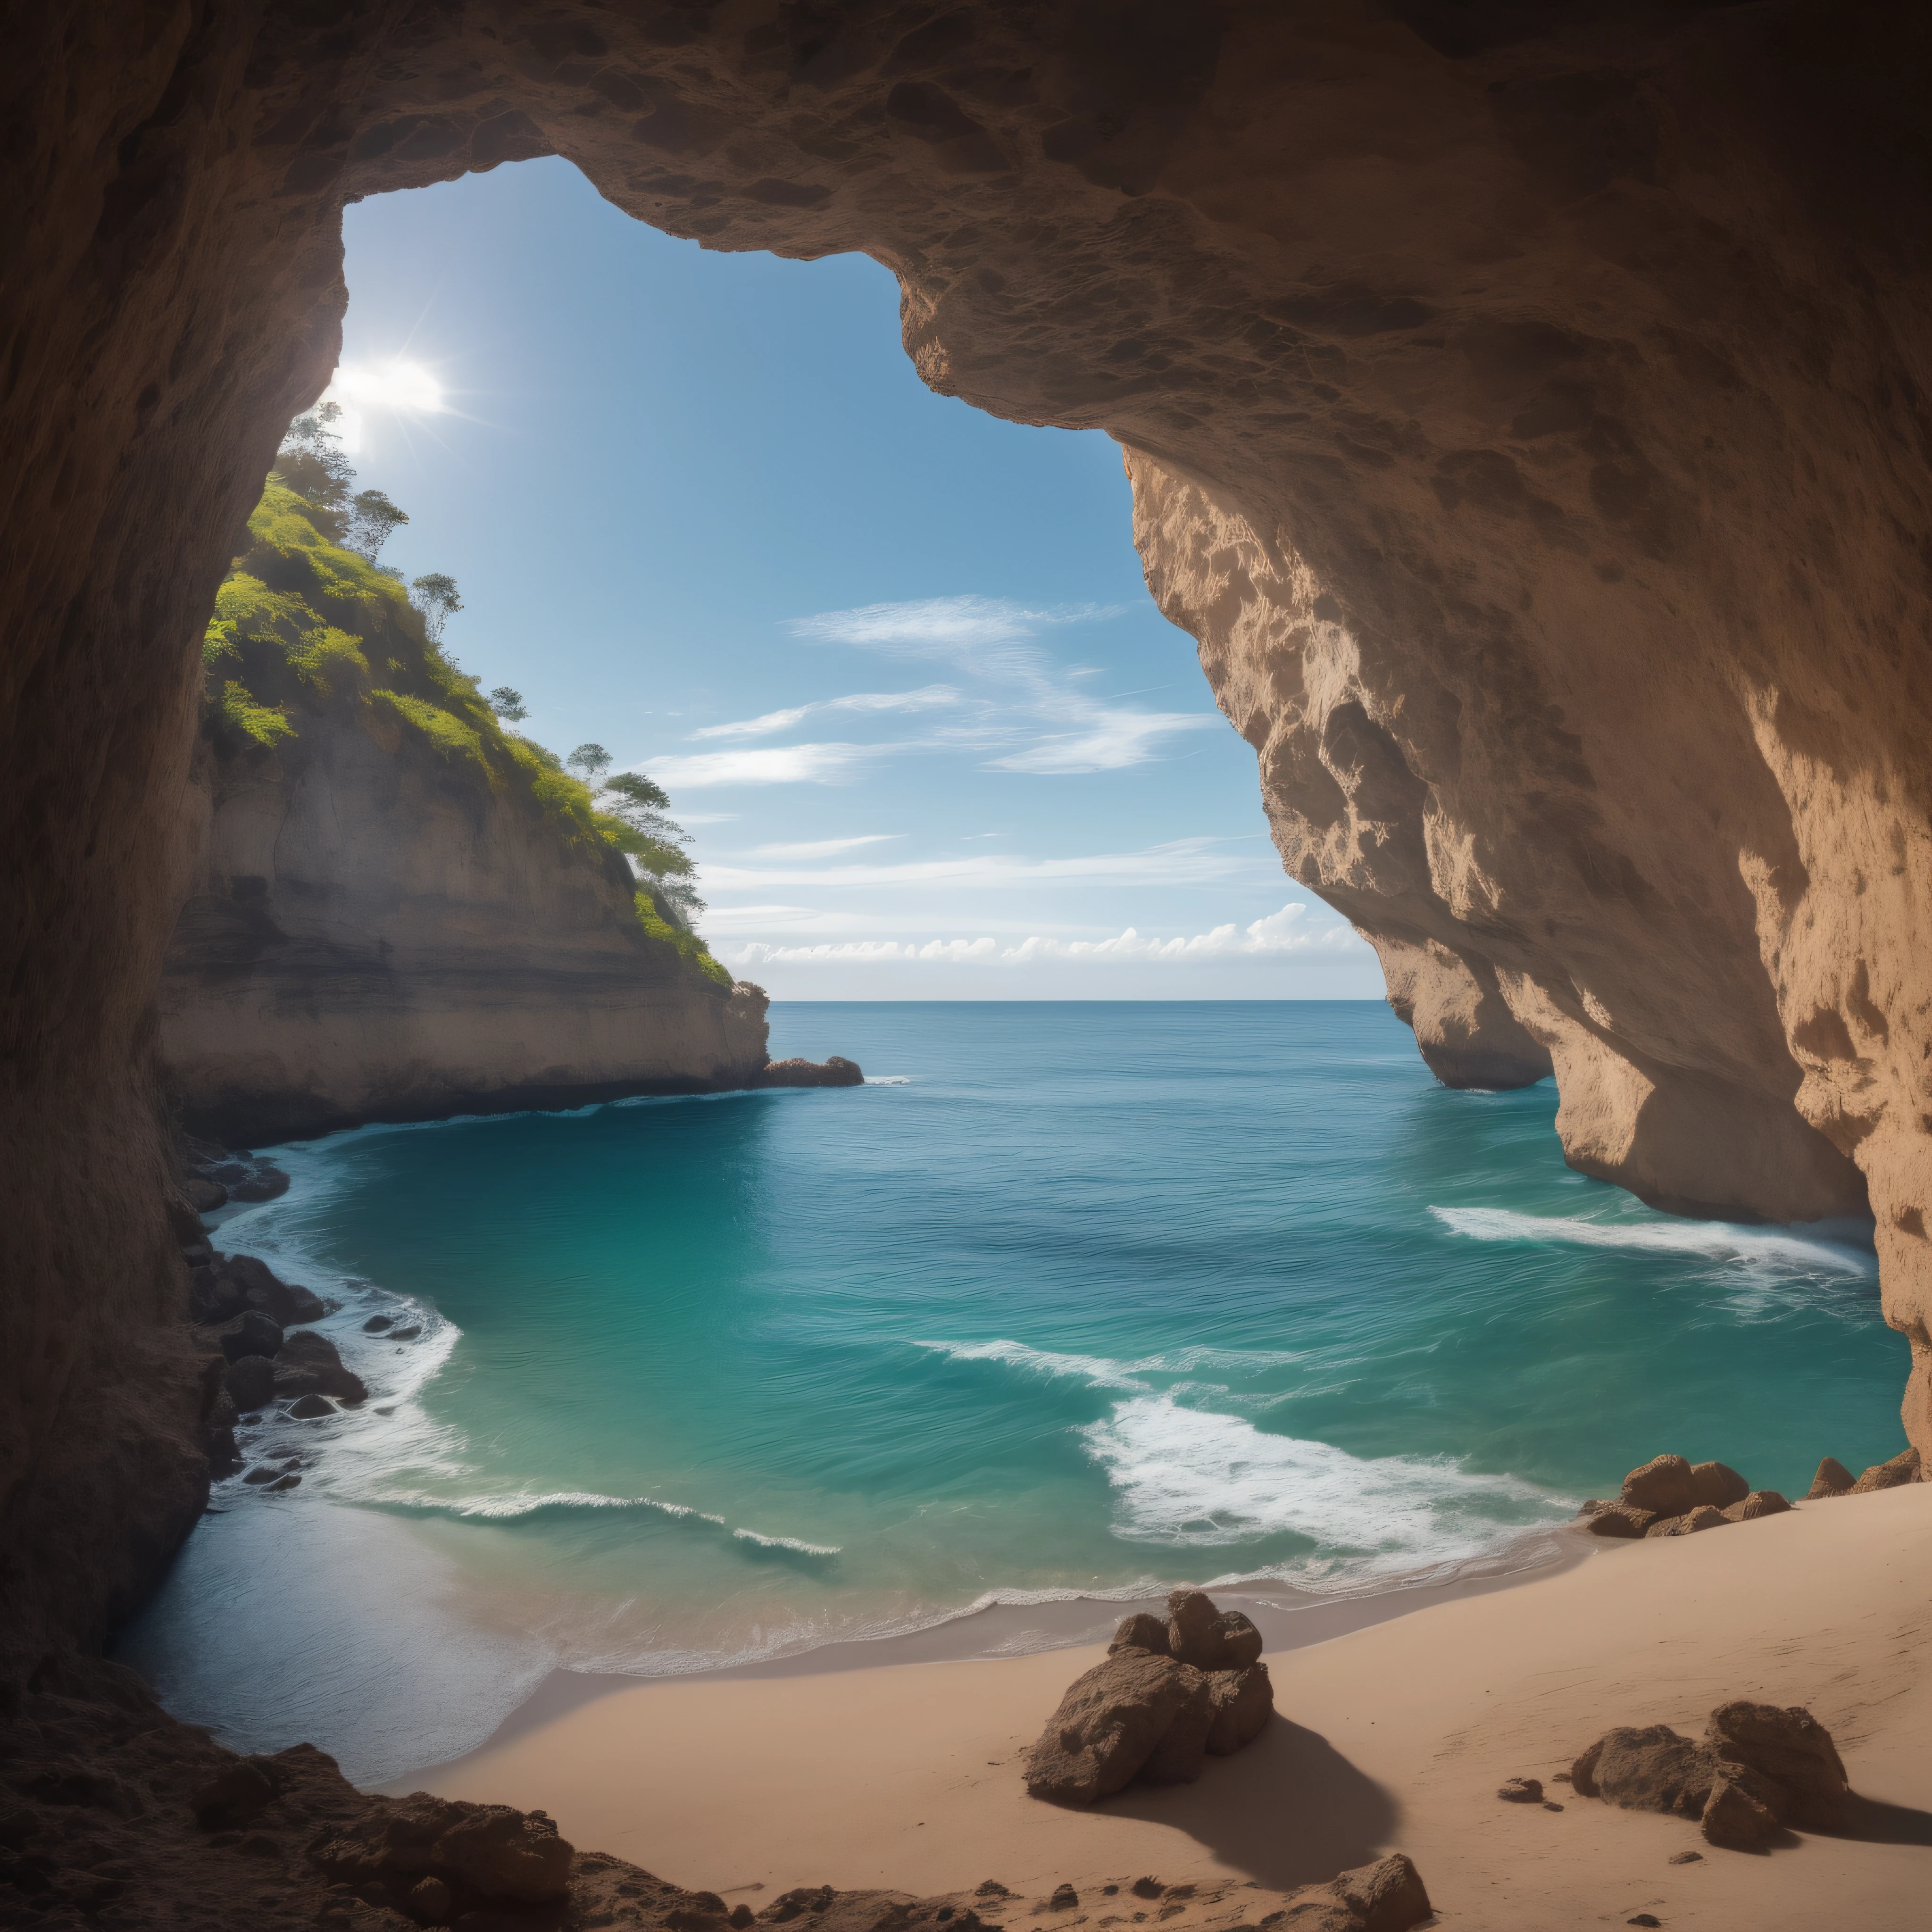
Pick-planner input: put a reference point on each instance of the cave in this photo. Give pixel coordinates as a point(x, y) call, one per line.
point(1526, 410)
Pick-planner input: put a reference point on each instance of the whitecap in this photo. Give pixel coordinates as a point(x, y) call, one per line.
point(791, 1542)
point(1710, 1241)
point(1191, 1477)
point(1102, 1372)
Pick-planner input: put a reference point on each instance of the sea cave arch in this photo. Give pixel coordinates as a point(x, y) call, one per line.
point(1526, 410)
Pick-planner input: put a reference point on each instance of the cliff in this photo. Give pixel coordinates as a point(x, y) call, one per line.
point(398, 911)
point(1529, 410)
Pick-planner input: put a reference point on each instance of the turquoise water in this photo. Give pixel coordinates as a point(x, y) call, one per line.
point(1079, 1298)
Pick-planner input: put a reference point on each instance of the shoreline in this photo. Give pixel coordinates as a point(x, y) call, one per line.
point(1392, 1735)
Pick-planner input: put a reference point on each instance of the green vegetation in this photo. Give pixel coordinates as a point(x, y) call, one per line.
point(305, 608)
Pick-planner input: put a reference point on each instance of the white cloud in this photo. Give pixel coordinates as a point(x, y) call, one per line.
point(1280, 933)
point(1118, 739)
point(778, 764)
point(823, 848)
point(929, 697)
point(1181, 862)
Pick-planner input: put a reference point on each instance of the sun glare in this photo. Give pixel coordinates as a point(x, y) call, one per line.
point(389, 388)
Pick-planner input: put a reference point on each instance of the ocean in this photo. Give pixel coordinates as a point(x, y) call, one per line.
point(1070, 1302)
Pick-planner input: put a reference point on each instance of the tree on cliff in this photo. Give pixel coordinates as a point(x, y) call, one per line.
point(311, 463)
point(644, 805)
point(508, 704)
point(589, 761)
point(434, 595)
point(372, 520)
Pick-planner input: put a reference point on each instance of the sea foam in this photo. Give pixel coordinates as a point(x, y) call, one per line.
point(1713, 1241)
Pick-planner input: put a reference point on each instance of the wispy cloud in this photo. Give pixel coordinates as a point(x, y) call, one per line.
point(1281, 933)
point(1041, 722)
point(823, 848)
point(1179, 861)
point(776, 764)
point(930, 697)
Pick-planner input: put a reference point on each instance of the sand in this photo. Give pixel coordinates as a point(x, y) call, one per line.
point(1394, 1736)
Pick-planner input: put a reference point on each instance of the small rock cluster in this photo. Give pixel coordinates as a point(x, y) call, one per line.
point(1758, 1770)
point(1670, 1496)
point(1387, 1896)
point(213, 1176)
point(1168, 1694)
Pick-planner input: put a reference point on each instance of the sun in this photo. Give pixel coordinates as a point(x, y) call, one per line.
point(365, 390)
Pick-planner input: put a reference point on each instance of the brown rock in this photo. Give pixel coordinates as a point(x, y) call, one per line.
point(1758, 1503)
point(1521, 1791)
point(239, 1792)
point(1788, 1746)
point(1903, 1468)
point(285, 1302)
point(1193, 1629)
point(1833, 1479)
point(306, 1349)
point(1064, 1898)
point(1717, 1484)
point(1242, 1702)
point(1650, 1769)
point(429, 1902)
point(1141, 1632)
point(1620, 1520)
point(1238, 1643)
point(1108, 1724)
point(1178, 1759)
point(1663, 1485)
point(251, 1381)
point(837, 1071)
point(1387, 1896)
point(1737, 1818)
point(1702, 1517)
point(488, 1849)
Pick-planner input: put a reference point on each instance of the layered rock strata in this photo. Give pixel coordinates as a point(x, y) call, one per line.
point(1526, 410)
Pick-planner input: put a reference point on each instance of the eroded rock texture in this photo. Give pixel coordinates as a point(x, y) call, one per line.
point(1526, 412)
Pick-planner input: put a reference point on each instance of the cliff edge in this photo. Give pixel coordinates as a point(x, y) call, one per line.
point(398, 910)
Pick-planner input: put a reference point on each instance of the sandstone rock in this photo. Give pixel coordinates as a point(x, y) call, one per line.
point(1242, 1702)
point(1387, 1896)
point(1108, 1724)
point(306, 1408)
point(1178, 1759)
point(1788, 1746)
point(1833, 1479)
point(1620, 1520)
point(1702, 1517)
point(1737, 1819)
point(1193, 1634)
point(250, 1334)
point(1648, 1769)
point(251, 1381)
point(1141, 1632)
point(836, 1072)
point(1758, 1503)
point(1239, 1642)
point(489, 1850)
point(1664, 1485)
point(1521, 1791)
point(1903, 1468)
point(1717, 1484)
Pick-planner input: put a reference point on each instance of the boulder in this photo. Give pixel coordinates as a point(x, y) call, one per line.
point(1788, 1748)
point(262, 1288)
point(1833, 1479)
point(240, 1791)
point(1619, 1520)
point(1663, 1486)
point(1650, 1769)
point(213, 1298)
point(305, 1408)
point(1737, 1819)
point(1717, 1484)
point(1108, 1724)
point(1193, 1629)
point(204, 1196)
point(377, 1324)
point(429, 1902)
point(250, 1334)
point(486, 1851)
point(251, 1381)
point(1064, 1898)
point(1141, 1632)
point(1903, 1468)
point(1240, 1641)
point(294, 1378)
point(1521, 1791)
point(1242, 1703)
point(306, 1349)
point(1178, 1757)
point(262, 1181)
point(1702, 1517)
point(1760, 1502)
point(1387, 1896)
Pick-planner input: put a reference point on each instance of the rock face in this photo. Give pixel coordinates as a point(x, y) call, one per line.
point(1523, 411)
point(379, 930)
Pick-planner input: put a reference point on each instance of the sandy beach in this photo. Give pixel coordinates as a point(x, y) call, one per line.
point(1394, 1736)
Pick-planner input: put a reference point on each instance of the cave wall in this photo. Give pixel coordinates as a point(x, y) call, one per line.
point(1526, 409)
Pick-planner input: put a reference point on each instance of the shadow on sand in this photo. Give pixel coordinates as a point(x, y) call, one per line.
point(1290, 1810)
point(1879, 1823)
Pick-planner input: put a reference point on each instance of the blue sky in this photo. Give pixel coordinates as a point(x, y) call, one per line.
point(892, 658)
